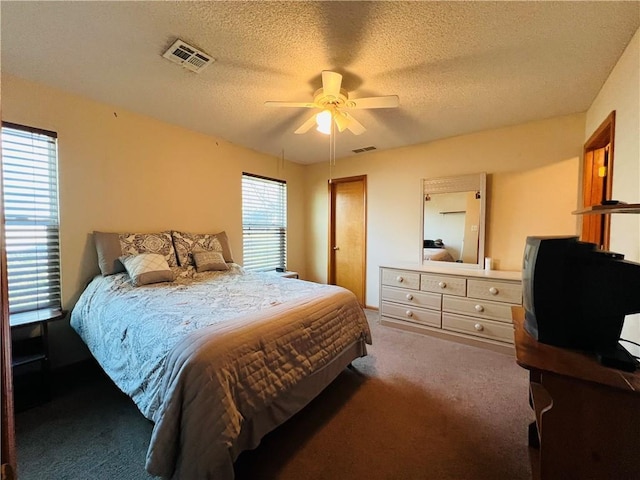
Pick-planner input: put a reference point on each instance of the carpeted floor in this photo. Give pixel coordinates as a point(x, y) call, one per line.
point(416, 407)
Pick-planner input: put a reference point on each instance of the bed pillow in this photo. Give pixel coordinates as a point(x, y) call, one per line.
point(111, 246)
point(109, 252)
point(206, 261)
point(147, 268)
point(186, 243)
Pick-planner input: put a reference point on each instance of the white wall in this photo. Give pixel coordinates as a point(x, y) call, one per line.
point(621, 92)
point(532, 188)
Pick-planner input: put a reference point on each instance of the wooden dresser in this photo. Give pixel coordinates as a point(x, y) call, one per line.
point(472, 306)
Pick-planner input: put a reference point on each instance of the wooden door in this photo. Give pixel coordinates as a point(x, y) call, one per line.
point(597, 181)
point(594, 192)
point(347, 236)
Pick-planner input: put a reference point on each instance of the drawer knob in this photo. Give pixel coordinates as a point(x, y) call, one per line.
point(478, 327)
point(409, 313)
point(409, 296)
point(442, 285)
point(493, 291)
point(479, 308)
point(399, 279)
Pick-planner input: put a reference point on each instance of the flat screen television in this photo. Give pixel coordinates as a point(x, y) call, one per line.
point(577, 296)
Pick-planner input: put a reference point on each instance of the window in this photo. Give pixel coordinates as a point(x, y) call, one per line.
point(29, 169)
point(264, 223)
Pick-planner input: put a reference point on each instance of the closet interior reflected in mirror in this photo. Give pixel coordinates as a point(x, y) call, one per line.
point(453, 220)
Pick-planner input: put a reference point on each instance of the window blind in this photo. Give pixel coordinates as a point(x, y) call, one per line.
point(29, 169)
point(264, 223)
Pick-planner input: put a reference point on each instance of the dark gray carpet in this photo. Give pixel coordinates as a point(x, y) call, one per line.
point(90, 430)
point(416, 408)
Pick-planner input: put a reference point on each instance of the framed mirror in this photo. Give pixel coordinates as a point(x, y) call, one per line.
point(453, 220)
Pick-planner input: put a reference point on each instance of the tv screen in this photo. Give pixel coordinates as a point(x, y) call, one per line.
point(575, 295)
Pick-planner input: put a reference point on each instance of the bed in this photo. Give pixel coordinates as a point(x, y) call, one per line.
point(217, 358)
point(437, 254)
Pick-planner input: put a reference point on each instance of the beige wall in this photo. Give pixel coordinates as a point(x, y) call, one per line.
point(532, 189)
point(119, 171)
point(116, 167)
point(621, 92)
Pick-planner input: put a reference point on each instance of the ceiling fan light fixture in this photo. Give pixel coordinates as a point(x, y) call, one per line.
point(342, 121)
point(334, 103)
point(323, 119)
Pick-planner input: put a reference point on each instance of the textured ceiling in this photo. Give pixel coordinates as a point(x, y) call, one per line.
point(458, 67)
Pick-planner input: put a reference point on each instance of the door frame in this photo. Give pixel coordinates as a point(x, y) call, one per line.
point(8, 438)
point(604, 135)
point(331, 274)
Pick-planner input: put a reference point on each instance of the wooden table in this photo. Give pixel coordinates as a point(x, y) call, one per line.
point(587, 416)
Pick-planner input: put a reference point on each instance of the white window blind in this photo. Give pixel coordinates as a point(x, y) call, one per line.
point(29, 169)
point(264, 223)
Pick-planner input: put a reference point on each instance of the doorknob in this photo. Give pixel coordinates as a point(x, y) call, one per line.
point(336, 248)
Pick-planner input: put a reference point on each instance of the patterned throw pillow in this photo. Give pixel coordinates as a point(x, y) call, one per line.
point(111, 246)
point(186, 243)
point(209, 261)
point(160, 243)
point(147, 268)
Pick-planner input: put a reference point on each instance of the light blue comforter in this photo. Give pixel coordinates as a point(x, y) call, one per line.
point(131, 330)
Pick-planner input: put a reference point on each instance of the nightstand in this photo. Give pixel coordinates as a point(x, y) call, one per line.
point(30, 356)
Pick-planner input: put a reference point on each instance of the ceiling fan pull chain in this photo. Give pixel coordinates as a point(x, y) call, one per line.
point(330, 161)
point(333, 143)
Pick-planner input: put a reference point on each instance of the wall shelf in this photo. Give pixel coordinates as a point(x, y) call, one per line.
point(604, 209)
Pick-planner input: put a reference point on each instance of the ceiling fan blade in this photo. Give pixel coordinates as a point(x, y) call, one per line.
point(306, 126)
point(342, 121)
point(387, 101)
point(290, 104)
point(354, 126)
point(331, 82)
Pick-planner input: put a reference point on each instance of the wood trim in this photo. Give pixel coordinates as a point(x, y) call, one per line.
point(8, 438)
point(604, 133)
point(331, 223)
point(364, 247)
point(25, 128)
point(262, 177)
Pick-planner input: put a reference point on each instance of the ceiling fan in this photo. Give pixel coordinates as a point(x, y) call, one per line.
point(334, 104)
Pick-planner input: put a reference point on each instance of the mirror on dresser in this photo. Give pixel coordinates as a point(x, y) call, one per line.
point(453, 220)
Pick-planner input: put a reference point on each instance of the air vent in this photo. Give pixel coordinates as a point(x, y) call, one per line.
point(363, 149)
point(189, 57)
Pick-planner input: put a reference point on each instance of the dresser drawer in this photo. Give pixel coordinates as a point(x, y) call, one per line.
point(418, 299)
point(478, 327)
point(443, 284)
point(477, 308)
point(495, 290)
point(412, 314)
point(401, 278)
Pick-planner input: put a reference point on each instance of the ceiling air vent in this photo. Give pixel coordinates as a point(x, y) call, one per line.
point(189, 57)
point(363, 149)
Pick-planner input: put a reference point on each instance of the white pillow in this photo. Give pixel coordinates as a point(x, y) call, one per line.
point(147, 268)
